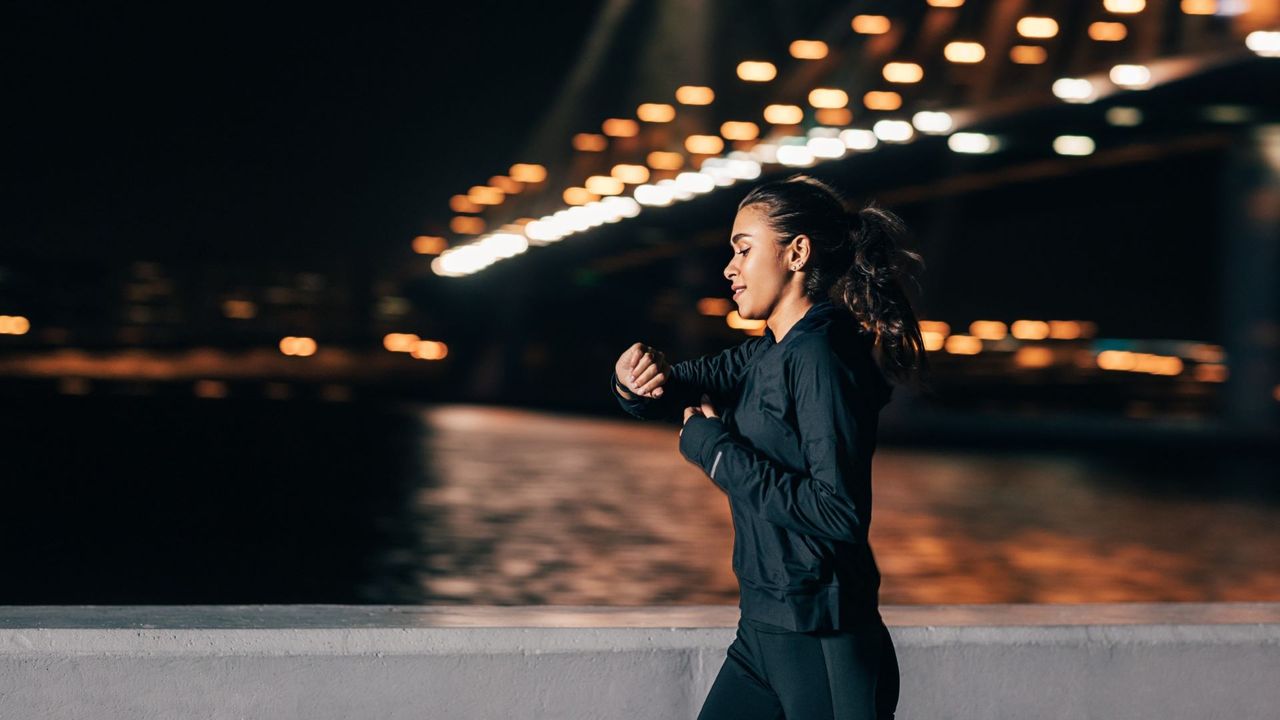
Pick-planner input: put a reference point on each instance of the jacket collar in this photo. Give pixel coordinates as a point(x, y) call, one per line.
point(816, 315)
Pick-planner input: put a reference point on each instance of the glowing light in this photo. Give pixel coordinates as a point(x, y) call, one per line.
point(429, 245)
point(463, 204)
point(1132, 76)
point(653, 195)
point(988, 329)
point(727, 171)
point(1199, 7)
point(704, 144)
point(903, 72)
point(1124, 6)
point(882, 100)
point(298, 346)
point(963, 345)
point(932, 340)
point(694, 95)
point(936, 326)
point(972, 143)
point(213, 389)
point(429, 350)
point(237, 309)
point(1108, 31)
point(462, 260)
point(485, 195)
point(1124, 360)
point(1076, 90)
point(737, 322)
point(870, 24)
point(616, 208)
point(1123, 116)
point(528, 173)
point(927, 121)
point(1029, 329)
point(737, 130)
point(630, 174)
point(656, 112)
point(660, 160)
point(757, 71)
point(1264, 43)
point(764, 152)
point(603, 185)
point(589, 142)
point(946, 3)
point(466, 225)
point(504, 244)
point(1033, 357)
point(828, 98)
point(827, 148)
point(833, 116)
point(695, 182)
point(783, 114)
point(1217, 374)
point(893, 130)
point(795, 155)
point(1037, 27)
point(1073, 145)
point(1064, 330)
point(1028, 54)
point(964, 52)
point(620, 127)
point(808, 49)
point(858, 139)
point(547, 229)
point(506, 184)
point(400, 342)
point(578, 196)
point(714, 306)
point(14, 325)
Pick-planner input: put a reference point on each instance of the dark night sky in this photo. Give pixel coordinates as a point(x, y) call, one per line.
point(234, 132)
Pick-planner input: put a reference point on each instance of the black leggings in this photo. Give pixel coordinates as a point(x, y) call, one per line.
point(771, 673)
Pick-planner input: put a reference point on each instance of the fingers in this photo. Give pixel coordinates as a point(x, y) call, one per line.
point(651, 380)
point(650, 372)
point(643, 362)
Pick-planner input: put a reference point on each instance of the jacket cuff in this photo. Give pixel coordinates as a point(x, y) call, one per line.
point(698, 437)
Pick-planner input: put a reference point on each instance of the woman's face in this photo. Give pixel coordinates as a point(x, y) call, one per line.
point(758, 271)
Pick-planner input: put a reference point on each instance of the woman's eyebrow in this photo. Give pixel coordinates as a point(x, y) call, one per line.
point(734, 240)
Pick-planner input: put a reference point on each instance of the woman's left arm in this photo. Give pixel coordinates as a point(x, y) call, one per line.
point(818, 501)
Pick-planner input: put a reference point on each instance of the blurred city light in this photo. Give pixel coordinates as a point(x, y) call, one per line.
point(808, 49)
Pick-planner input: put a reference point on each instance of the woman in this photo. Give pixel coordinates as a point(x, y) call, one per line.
point(791, 445)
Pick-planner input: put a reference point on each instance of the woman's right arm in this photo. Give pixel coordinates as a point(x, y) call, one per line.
point(716, 375)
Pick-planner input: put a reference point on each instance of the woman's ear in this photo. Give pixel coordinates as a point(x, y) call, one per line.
point(800, 251)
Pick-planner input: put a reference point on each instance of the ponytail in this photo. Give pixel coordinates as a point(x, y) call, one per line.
point(872, 289)
point(858, 262)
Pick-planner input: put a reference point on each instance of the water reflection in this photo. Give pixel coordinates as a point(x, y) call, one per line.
point(521, 507)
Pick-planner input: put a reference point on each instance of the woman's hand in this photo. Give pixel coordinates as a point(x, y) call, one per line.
point(705, 410)
point(643, 370)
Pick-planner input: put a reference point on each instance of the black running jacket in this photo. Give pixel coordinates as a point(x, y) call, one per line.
point(792, 449)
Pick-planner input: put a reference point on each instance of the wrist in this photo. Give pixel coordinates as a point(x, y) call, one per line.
point(621, 389)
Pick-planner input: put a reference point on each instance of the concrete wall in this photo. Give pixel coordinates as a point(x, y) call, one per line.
point(1135, 661)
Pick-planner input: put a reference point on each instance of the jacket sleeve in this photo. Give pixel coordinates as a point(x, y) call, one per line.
point(716, 374)
point(817, 501)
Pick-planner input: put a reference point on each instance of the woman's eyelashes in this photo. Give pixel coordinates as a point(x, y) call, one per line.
point(743, 251)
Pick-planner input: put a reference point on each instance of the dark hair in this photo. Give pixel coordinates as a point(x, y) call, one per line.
point(856, 260)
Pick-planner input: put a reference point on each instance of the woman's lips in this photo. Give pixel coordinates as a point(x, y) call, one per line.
point(737, 292)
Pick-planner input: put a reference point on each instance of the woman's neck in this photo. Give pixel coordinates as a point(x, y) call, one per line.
point(787, 313)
